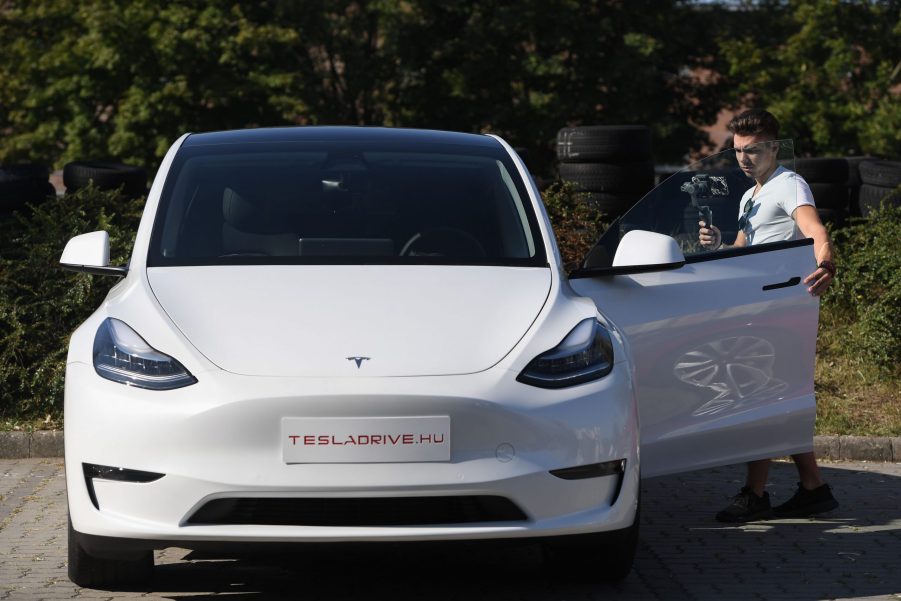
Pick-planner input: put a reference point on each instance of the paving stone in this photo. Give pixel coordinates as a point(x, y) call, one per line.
point(850, 553)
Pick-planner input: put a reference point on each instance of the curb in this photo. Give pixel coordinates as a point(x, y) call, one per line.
point(40, 443)
point(49, 443)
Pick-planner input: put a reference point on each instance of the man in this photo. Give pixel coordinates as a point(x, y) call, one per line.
point(779, 207)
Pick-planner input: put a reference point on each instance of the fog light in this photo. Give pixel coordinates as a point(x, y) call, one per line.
point(119, 474)
point(594, 470)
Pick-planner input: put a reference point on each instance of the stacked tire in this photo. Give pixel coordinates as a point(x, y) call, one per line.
point(24, 184)
point(611, 163)
point(828, 180)
point(105, 175)
point(880, 183)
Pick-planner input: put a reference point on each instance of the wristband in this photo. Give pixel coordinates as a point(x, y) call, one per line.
point(828, 266)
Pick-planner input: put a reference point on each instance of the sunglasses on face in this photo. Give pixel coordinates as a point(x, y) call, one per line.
point(746, 215)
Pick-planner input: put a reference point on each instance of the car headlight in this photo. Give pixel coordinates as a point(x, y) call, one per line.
point(121, 355)
point(585, 354)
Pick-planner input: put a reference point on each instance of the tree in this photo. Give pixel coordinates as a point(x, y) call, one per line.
point(829, 70)
point(124, 78)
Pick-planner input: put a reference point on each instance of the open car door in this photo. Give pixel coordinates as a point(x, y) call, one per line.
point(723, 341)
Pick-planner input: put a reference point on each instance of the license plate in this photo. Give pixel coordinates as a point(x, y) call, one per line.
point(365, 439)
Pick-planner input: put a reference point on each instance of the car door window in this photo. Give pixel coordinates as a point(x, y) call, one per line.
point(710, 189)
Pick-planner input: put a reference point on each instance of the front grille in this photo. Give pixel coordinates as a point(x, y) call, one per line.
point(396, 511)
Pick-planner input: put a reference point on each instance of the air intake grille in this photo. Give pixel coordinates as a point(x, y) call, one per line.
point(398, 511)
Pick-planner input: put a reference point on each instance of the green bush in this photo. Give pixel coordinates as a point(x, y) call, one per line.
point(866, 295)
point(40, 304)
point(577, 224)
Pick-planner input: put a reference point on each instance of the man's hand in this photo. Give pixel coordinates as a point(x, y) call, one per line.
point(810, 225)
point(819, 281)
point(711, 237)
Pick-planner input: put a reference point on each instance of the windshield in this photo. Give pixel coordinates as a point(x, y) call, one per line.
point(344, 202)
point(711, 190)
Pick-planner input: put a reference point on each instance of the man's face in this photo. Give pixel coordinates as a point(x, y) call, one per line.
point(756, 155)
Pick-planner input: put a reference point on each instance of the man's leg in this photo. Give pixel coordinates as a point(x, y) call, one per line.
point(813, 495)
point(753, 502)
point(758, 471)
point(808, 470)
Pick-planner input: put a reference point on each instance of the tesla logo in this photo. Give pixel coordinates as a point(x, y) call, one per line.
point(358, 360)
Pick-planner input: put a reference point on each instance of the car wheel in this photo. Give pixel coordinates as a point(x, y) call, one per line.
point(601, 557)
point(95, 572)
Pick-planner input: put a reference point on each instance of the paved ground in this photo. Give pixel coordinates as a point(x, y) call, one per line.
point(852, 553)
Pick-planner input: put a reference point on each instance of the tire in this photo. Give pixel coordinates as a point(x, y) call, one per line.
point(602, 557)
point(612, 204)
point(33, 171)
point(854, 169)
point(872, 197)
point(830, 196)
point(106, 176)
point(23, 184)
point(823, 170)
point(886, 174)
point(94, 572)
point(636, 176)
point(604, 143)
point(834, 216)
point(854, 201)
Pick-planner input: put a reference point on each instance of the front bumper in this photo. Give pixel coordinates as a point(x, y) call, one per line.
point(221, 439)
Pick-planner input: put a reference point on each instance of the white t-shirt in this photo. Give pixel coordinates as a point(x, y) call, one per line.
point(770, 219)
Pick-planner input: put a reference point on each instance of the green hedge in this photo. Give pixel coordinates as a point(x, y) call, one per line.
point(40, 304)
point(865, 298)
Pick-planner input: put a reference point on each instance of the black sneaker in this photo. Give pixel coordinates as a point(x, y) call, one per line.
point(746, 507)
point(807, 502)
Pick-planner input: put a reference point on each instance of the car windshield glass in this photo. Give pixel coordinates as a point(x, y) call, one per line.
point(712, 190)
point(344, 202)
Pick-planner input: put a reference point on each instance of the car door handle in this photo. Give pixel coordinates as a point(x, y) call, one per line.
point(787, 284)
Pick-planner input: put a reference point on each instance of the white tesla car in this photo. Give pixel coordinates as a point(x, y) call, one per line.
point(353, 334)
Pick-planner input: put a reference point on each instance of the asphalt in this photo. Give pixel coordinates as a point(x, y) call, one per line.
point(49, 443)
point(684, 554)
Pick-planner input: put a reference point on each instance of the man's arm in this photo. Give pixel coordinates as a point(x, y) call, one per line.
point(809, 223)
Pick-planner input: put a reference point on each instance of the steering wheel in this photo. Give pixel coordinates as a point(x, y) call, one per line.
point(443, 242)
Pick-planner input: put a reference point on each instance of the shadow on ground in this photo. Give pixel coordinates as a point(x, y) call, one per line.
point(684, 554)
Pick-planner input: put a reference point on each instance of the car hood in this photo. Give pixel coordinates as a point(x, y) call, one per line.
point(355, 321)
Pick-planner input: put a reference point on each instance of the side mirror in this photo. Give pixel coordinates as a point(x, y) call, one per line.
point(648, 249)
point(89, 253)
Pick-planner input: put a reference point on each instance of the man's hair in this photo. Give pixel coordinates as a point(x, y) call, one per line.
point(755, 122)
